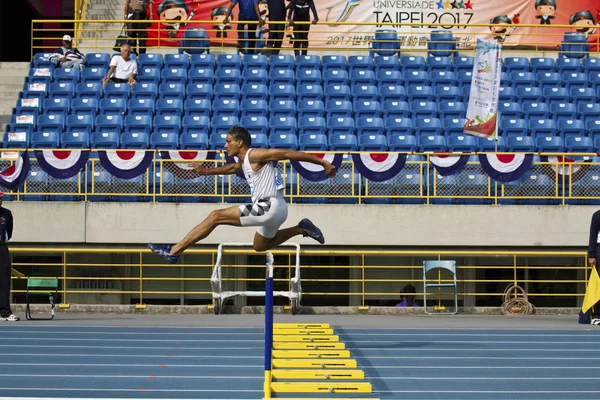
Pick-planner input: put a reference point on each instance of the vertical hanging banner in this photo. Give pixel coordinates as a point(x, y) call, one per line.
point(482, 112)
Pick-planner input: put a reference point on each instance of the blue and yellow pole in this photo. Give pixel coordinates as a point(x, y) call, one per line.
point(268, 325)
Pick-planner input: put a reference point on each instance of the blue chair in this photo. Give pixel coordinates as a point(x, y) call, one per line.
point(594, 80)
point(420, 93)
point(590, 65)
point(550, 144)
point(71, 75)
point(113, 106)
point(193, 141)
point(507, 93)
point(166, 123)
point(513, 127)
point(149, 75)
point(89, 90)
point(542, 64)
point(337, 92)
point(65, 90)
point(97, 60)
point(229, 61)
point(365, 93)
point(392, 108)
point(308, 77)
point(334, 63)
point(442, 78)
point(360, 63)
point(363, 77)
point(144, 91)
point(372, 143)
point(255, 125)
point(174, 74)
point(428, 143)
point(335, 77)
point(529, 95)
point(283, 141)
point(116, 91)
point(564, 111)
point(198, 91)
point(367, 108)
point(309, 92)
point(575, 80)
point(343, 142)
point(509, 109)
point(225, 108)
point(221, 124)
point(523, 79)
point(312, 126)
point(385, 43)
point(389, 77)
point(282, 77)
point(283, 126)
point(198, 124)
point(45, 140)
point(201, 75)
point(105, 140)
point(453, 126)
point(416, 78)
point(556, 95)
point(493, 144)
point(254, 108)
point(176, 61)
point(60, 106)
point(227, 91)
point(308, 62)
point(462, 143)
point(369, 126)
point(311, 108)
point(452, 110)
point(423, 109)
point(338, 108)
point(313, 142)
point(589, 112)
point(256, 61)
point(583, 96)
point(202, 61)
point(516, 64)
point(392, 92)
point(384, 63)
point(138, 123)
point(464, 78)
point(282, 108)
point(579, 144)
point(230, 76)
point(549, 80)
point(574, 46)
point(439, 63)
point(134, 140)
point(80, 123)
point(571, 128)
point(141, 106)
point(427, 126)
point(197, 108)
point(255, 92)
point(88, 106)
point(255, 76)
point(399, 126)
point(281, 61)
point(282, 92)
point(567, 65)
point(164, 141)
point(340, 126)
point(447, 93)
point(463, 64)
point(194, 41)
point(593, 128)
point(403, 143)
point(442, 43)
point(520, 144)
point(73, 139)
point(50, 123)
point(152, 60)
point(536, 111)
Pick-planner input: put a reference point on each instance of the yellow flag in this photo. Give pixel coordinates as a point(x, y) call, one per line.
point(592, 293)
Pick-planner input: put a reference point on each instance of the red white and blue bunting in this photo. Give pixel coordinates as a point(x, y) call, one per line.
point(14, 176)
point(182, 169)
point(62, 164)
point(566, 169)
point(125, 164)
point(448, 163)
point(314, 172)
point(506, 167)
point(379, 167)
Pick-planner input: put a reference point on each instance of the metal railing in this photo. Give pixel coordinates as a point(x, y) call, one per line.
point(333, 277)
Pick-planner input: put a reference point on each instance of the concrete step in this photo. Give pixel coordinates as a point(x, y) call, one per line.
point(9, 88)
point(14, 66)
point(5, 111)
point(7, 102)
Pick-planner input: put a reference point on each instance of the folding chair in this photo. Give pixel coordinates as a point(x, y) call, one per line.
point(438, 282)
point(41, 287)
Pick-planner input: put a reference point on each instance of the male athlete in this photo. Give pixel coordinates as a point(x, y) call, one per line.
point(268, 209)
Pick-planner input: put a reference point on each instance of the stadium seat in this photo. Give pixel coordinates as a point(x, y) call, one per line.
point(256, 61)
point(383, 63)
point(579, 144)
point(313, 142)
point(164, 141)
point(309, 92)
point(402, 143)
point(334, 63)
point(282, 77)
point(138, 123)
point(166, 123)
point(520, 144)
point(45, 140)
point(112, 106)
point(152, 60)
point(105, 140)
point(369, 126)
point(429, 142)
point(136, 106)
point(550, 144)
point(202, 61)
point(372, 143)
point(367, 108)
point(254, 108)
point(462, 143)
point(282, 92)
point(568, 128)
point(80, 123)
point(197, 124)
point(255, 92)
point(135, 140)
point(311, 108)
point(398, 126)
point(360, 63)
point(255, 76)
point(283, 126)
point(227, 91)
point(201, 75)
point(74, 139)
point(385, 43)
point(442, 43)
point(144, 91)
point(283, 141)
point(255, 125)
point(335, 77)
point(343, 142)
point(337, 92)
point(542, 65)
point(194, 41)
point(176, 61)
point(516, 64)
point(338, 108)
point(312, 126)
point(193, 141)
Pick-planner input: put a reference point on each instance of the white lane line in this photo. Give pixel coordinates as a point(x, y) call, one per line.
point(94, 376)
point(38, 339)
point(168, 356)
point(130, 390)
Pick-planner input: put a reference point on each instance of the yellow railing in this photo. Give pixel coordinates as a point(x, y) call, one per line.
point(346, 37)
point(329, 277)
point(556, 182)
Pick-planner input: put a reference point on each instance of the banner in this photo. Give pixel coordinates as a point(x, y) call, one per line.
point(396, 14)
point(482, 112)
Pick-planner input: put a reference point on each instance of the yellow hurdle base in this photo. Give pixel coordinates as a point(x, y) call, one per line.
point(308, 346)
point(311, 354)
point(306, 338)
point(326, 364)
point(298, 331)
point(299, 326)
point(332, 374)
point(321, 387)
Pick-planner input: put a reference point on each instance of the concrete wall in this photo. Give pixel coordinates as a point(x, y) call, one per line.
point(360, 225)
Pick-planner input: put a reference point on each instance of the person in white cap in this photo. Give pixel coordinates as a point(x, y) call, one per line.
point(68, 56)
point(6, 229)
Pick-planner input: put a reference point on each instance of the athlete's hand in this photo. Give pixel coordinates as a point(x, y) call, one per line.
point(592, 261)
point(199, 168)
point(329, 169)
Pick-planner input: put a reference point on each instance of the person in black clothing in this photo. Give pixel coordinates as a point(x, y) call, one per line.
point(593, 253)
point(6, 229)
point(277, 28)
point(300, 12)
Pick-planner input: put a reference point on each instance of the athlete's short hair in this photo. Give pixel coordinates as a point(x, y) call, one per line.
point(240, 133)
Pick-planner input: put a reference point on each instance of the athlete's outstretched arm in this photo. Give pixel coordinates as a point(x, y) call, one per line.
point(267, 155)
point(226, 169)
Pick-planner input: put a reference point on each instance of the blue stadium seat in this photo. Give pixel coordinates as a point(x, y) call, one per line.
point(255, 92)
point(308, 77)
point(222, 124)
point(64, 90)
point(593, 128)
point(365, 93)
point(254, 108)
point(385, 43)
point(452, 110)
point(45, 139)
point(174, 75)
point(362, 77)
point(395, 126)
point(197, 124)
point(402, 143)
point(367, 109)
point(313, 142)
point(312, 126)
point(201, 75)
point(198, 91)
point(255, 125)
point(392, 92)
point(144, 91)
point(282, 92)
point(416, 78)
point(70, 75)
point(442, 43)
point(197, 108)
point(193, 141)
point(194, 41)
point(550, 144)
point(60, 106)
point(372, 143)
point(135, 140)
point(579, 144)
point(97, 60)
point(229, 61)
point(556, 95)
point(423, 109)
point(338, 108)
point(335, 77)
point(149, 75)
point(152, 60)
point(343, 142)
point(337, 92)
point(389, 77)
point(589, 112)
point(176, 61)
point(334, 63)
point(255, 77)
point(225, 108)
point(420, 93)
point(513, 127)
point(412, 63)
point(563, 111)
point(164, 141)
point(583, 96)
point(442, 78)
point(283, 141)
point(227, 92)
point(73, 139)
point(113, 106)
point(282, 108)
point(255, 61)
point(369, 126)
point(309, 92)
point(523, 79)
point(281, 61)
point(259, 140)
point(311, 108)
point(431, 142)
point(590, 65)
point(230, 76)
point(493, 144)
point(549, 80)
point(202, 61)
point(509, 109)
point(516, 64)
point(568, 128)
point(567, 65)
point(308, 62)
point(138, 123)
point(463, 64)
point(542, 64)
point(464, 78)
point(507, 93)
point(453, 126)
point(340, 126)
point(166, 123)
point(520, 144)
point(447, 93)
point(116, 91)
point(574, 45)
point(142, 106)
point(105, 140)
point(462, 143)
point(575, 80)
point(80, 123)
point(89, 90)
point(383, 63)
point(439, 63)
point(282, 77)
point(360, 63)
point(50, 123)
point(282, 125)
point(542, 127)
point(529, 95)
point(536, 111)
point(395, 109)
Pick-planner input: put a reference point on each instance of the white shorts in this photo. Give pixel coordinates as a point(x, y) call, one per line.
point(267, 214)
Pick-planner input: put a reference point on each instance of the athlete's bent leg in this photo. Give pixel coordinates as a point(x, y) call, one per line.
point(262, 243)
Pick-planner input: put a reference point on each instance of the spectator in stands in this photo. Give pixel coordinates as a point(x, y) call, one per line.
point(123, 69)
point(407, 296)
point(300, 12)
point(248, 11)
point(136, 11)
point(276, 26)
point(268, 210)
point(6, 230)
point(68, 56)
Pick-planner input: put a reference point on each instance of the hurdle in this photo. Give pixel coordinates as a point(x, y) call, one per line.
point(220, 296)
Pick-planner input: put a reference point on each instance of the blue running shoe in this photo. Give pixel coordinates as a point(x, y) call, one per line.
point(311, 230)
point(163, 251)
